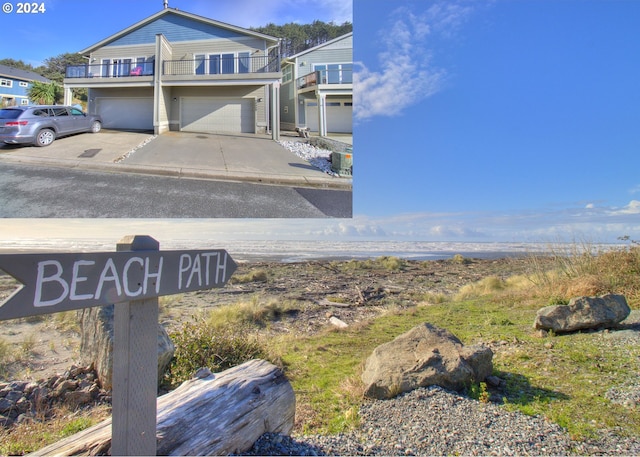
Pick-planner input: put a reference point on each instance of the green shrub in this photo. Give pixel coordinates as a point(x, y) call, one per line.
point(199, 344)
point(460, 259)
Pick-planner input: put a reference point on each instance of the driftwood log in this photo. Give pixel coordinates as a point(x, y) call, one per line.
point(213, 415)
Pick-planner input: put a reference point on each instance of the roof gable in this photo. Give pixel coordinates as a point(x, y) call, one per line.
point(346, 37)
point(176, 26)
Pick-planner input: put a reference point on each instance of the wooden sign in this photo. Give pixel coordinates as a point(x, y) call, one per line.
point(64, 281)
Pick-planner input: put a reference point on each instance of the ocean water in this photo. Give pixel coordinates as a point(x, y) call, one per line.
point(296, 251)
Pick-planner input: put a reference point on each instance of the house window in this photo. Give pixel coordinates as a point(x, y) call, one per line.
point(24, 101)
point(24, 84)
point(287, 74)
point(337, 73)
point(228, 64)
point(225, 64)
point(214, 64)
point(243, 62)
point(6, 83)
point(221, 64)
point(121, 67)
point(199, 64)
point(105, 68)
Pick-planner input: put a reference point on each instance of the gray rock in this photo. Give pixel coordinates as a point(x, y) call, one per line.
point(78, 398)
point(5, 405)
point(424, 356)
point(96, 343)
point(583, 313)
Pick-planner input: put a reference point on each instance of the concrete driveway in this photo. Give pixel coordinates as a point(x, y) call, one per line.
point(252, 158)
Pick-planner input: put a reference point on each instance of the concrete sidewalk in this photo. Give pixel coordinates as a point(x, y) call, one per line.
point(249, 158)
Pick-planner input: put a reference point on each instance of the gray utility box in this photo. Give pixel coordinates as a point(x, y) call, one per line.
point(342, 162)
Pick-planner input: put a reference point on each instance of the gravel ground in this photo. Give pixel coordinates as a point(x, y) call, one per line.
point(433, 421)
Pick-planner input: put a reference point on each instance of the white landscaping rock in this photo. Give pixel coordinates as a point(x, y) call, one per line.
point(319, 158)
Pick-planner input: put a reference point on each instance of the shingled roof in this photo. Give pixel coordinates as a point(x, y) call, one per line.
point(24, 75)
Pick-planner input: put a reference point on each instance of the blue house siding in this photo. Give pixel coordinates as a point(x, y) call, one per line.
point(15, 84)
point(175, 29)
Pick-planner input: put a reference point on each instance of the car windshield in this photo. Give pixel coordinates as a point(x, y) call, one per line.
point(10, 113)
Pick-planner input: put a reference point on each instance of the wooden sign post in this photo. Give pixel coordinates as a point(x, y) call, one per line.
point(135, 367)
point(133, 278)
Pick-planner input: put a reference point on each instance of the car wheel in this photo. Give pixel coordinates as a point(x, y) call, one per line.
point(96, 127)
point(45, 137)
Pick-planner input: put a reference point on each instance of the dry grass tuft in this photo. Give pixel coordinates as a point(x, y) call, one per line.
point(587, 285)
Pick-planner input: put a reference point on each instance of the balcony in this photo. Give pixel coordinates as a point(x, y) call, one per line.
point(224, 64)
point(210, 67)
point(322, 77)
point(110, 70)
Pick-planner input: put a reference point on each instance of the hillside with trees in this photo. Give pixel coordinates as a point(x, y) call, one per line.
point(299, 37)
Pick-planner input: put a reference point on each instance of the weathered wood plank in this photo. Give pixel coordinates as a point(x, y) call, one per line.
point(216, 415)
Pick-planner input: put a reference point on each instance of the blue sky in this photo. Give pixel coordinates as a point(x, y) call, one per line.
point(506, 120)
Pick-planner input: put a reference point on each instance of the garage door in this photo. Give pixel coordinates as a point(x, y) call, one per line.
point(339, 116)
point(126, 113)
point(217, 115)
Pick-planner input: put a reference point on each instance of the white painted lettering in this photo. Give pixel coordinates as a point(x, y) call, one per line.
point(221, 269)
point(207, 256)
point(183, 268)
point(196, 269)
point(148, 275)
point(125, 277)
point(109, 268)
point(41, 279)
point(76, 278)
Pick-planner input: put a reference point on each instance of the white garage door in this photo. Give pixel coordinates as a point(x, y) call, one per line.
point(339, 116)
point(126, 113)
point(217, 115)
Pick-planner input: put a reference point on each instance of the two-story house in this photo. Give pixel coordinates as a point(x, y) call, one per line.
point(15, 85)
point(177, 71)
point(317, 88)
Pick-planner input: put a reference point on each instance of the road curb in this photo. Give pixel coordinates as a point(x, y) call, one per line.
point(329, 182)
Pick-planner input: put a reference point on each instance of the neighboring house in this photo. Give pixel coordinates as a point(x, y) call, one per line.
point(182, 72)
point(15, 85)
point(317, 88)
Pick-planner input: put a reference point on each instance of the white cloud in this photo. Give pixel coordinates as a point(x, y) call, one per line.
point(407, 74)
point(632, 208)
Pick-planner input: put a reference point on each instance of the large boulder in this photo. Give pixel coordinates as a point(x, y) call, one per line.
point(424, 356)
point(583, 313)
point(96, 343)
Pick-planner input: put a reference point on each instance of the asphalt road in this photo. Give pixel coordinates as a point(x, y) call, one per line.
point(39, 192)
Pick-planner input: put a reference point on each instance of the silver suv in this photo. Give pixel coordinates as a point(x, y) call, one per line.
point(41, 125)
